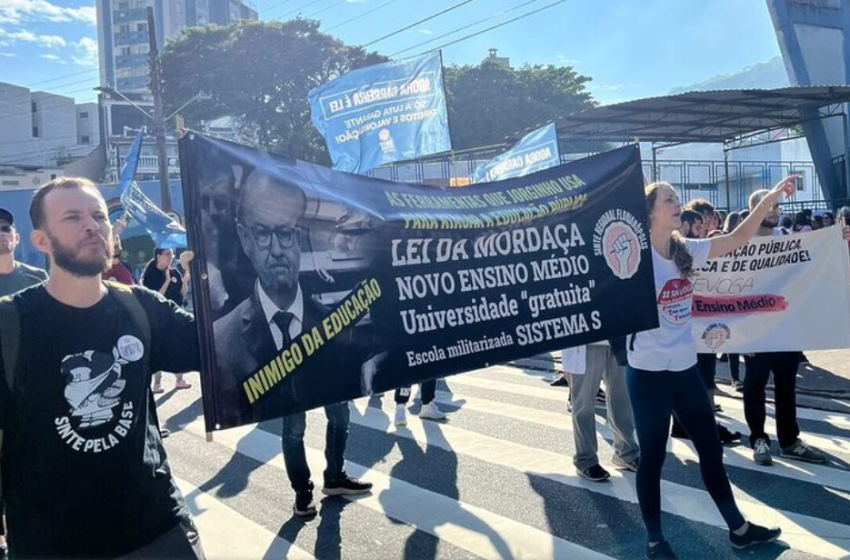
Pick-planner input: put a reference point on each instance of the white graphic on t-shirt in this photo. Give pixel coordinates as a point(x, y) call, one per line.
point(94, 381)
point(675, 300)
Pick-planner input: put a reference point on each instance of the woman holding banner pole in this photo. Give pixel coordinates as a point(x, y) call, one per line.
point(662, 376)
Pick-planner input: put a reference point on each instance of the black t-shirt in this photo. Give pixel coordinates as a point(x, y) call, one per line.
point(83, 467)
point(153, 278)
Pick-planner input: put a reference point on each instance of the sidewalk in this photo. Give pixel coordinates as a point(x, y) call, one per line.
point(824, 383)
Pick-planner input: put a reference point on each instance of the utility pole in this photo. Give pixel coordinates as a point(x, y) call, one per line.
point(158, 115)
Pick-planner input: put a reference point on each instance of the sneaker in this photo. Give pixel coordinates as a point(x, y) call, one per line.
point(600, 396)
point(661, 551)
point(594, 473)
point(400, 415)
point(716, 408)
point(560, 382)
point(803, 452)
point(182, 384)
point(158, 390)
point(621, 463)
point(677, 431)
point(164, 433)
point(761, 453)
point(755, 535)
point(304, 506)
point(728, 437)
point(737, 386)
point(804, 359)
point(346, 486)
point(431, 412)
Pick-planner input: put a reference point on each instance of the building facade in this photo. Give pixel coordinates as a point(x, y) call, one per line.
point(123, 48)
point(45, 129)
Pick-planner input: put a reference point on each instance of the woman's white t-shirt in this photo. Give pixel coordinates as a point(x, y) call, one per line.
point(671, 346)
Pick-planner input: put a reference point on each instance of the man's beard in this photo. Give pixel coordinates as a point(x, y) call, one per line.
point(770, 222)
point(68, 259)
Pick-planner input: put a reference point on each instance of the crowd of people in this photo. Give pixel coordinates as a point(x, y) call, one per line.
point(109, 341)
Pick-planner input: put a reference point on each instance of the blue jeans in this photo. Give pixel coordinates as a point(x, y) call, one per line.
point(655, 395)
point(292, 441)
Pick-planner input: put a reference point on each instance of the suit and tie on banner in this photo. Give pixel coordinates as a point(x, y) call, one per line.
point(339, 285)
point(781, 293)
point(384, 113)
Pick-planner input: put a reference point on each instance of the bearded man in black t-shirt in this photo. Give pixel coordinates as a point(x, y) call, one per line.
point(83, 465)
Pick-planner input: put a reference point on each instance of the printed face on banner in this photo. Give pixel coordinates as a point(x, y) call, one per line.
point(322, 286)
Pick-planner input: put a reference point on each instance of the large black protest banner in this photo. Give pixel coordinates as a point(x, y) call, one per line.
point(315, 286)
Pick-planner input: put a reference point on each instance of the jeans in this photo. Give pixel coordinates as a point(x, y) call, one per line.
point(784, 367)
point(292, 441)
point(583, 388)
point(707, 366)
point(428, 392)
point(655, 396)
point(179, 543)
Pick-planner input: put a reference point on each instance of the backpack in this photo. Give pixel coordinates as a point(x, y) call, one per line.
point(10, 319)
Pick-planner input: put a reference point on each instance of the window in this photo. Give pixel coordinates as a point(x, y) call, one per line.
point(52, 176)
point(34, 107)
point(10, 183)
point(123, 5)
point(84, 140)
point(84, 114)
point(125, 50)
point(142, 27)
point(35, 132)
point(124, 29)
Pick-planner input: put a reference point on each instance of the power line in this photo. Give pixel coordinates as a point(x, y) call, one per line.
point(346, 22)
point(432, 16)
point(546, 7)
point(299, 8)
point(334, 5)
point(467, 26)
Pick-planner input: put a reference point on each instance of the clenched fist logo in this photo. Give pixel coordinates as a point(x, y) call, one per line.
point(621, 249)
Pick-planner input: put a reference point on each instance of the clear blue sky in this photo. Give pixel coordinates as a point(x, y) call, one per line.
point(631, 48)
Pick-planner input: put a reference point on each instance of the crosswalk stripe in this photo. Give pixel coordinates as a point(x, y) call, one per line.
point(737, 456)
point(809, 534)
point(222, 529)
point(841, 421)
point(481, 532)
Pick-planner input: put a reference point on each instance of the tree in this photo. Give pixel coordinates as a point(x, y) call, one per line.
point(261, 72)
point(490, 102)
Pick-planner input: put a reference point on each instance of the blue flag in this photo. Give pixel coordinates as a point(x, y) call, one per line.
point(538, 150)
point(165, 231)
point(389, 112)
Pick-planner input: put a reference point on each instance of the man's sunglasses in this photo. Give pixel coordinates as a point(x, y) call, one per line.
point(5, 228)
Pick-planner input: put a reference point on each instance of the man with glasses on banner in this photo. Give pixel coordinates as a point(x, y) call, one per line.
point(268, 213)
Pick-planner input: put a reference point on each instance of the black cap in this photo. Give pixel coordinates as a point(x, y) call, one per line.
point(7, 216)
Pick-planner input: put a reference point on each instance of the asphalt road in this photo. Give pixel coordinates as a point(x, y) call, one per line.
point(494, 481)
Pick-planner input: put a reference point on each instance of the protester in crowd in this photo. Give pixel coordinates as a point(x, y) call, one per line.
point(828, 219)
point(844, 215)
point(692, 225)
point(802, 222)
point(818, 223)
point(14, 277)
point(603, 360)
point(83, 466)
point(429, 410)
point(783, 366)
point(732, 221)
point(161, 277)
point(268, 214)
point(662, 375)
point(118, 271)
point(707, 366)
point(708, 213)
point(786, 225)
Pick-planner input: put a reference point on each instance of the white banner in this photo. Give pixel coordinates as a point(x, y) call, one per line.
point(782, 293)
